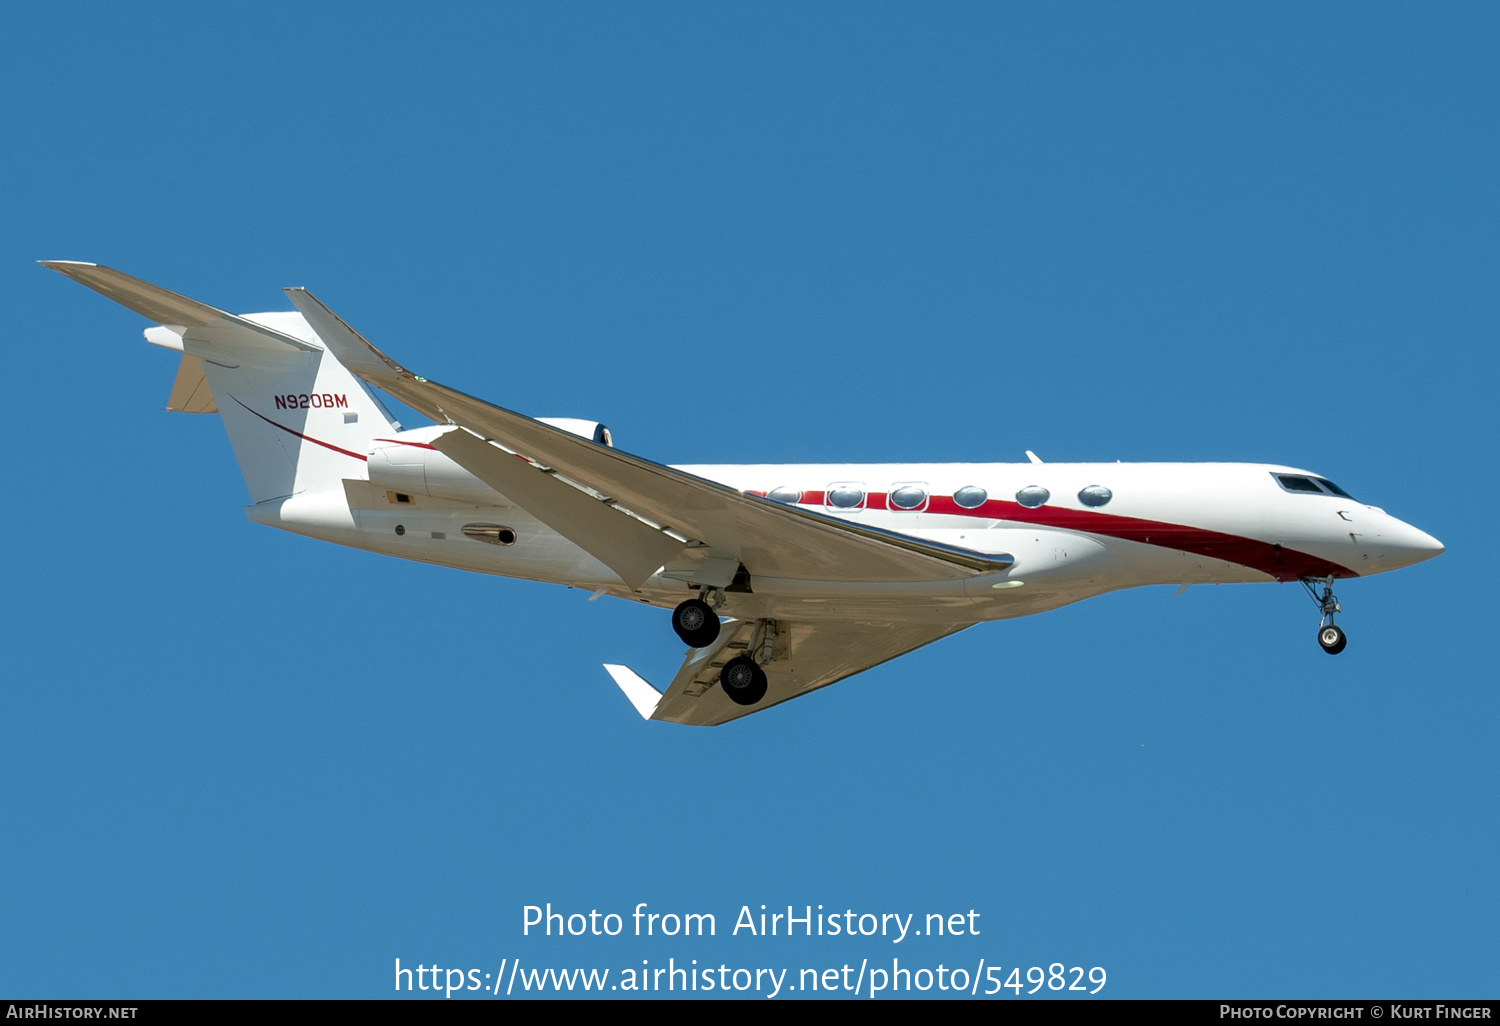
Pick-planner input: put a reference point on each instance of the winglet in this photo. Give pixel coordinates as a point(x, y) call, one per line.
point(640, 692)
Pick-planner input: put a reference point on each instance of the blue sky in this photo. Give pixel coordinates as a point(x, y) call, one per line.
point(241, 763)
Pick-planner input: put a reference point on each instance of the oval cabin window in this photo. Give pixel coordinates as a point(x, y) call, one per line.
point(1033, 496)
point(970, 496)
point(846, 497)
point(908, 497)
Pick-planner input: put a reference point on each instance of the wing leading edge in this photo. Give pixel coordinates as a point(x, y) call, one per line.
point(769, 538)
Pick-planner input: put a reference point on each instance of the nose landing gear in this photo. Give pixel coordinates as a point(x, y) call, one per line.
point(1332, 639)
point(1330, 636)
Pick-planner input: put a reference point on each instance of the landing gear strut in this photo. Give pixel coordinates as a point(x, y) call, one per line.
point(1330, 636)
point(695, 623)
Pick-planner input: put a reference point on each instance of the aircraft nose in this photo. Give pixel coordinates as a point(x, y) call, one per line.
point(1428, 546)
point(1408, 545)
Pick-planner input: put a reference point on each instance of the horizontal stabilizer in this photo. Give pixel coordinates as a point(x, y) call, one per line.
point(299, 421)
point(200, 321)
point(640, 692)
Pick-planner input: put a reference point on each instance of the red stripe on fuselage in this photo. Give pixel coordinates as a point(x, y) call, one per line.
point(1277, 561)
point(414, 445)
point(305, 438)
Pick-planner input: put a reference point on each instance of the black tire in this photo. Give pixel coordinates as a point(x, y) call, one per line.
point(1332, 639)
point(743, 681)
point(695, 623)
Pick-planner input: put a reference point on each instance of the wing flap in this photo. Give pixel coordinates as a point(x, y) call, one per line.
point(769, 538)
point(630, 548)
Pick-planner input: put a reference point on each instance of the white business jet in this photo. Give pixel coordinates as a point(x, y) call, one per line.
point(781, 579)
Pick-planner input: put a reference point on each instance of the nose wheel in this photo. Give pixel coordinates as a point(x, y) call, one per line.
point(1332, 639)
point(1330, 636)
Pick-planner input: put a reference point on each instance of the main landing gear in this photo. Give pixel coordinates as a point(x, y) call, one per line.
point(742, 678)
point(1330, 636)
point(743, 681)
point(696, 623)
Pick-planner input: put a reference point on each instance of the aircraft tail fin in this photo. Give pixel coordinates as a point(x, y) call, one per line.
point(298, 420)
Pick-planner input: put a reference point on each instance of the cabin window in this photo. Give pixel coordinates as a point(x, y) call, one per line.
point(909, 497)
point(1033, 496)
point(1095, 495)
point(844, 496)
point(790, 496)
point(970, 496)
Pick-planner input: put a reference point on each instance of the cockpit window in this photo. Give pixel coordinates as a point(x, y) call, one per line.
point(1294, 483)
point(1310, 485)
point(1335, 489)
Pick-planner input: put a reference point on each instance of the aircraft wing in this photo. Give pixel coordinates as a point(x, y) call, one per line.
point(769, 538)
point(805, 657)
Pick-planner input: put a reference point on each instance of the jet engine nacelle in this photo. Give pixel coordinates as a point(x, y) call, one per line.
point(407, 464)
point(590, 429)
